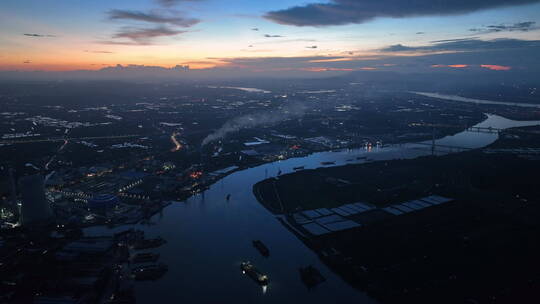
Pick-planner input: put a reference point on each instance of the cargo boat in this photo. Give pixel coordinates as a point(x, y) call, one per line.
point(145, 257)
point(150, 272)
point(262, 248)
point(299, 168)
point(325, 163)
point(129, 234)
point(311, 276)
point(151, 243)
point(254, 273)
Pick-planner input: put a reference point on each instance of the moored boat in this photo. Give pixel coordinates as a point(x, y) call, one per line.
point(150, 272)
point(145, 257)
point(311, 276)
point(150, 243)
point(254, 273)
point(261, 247)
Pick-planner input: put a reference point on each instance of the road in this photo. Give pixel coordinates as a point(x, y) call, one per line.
point(177, 144)
point(13, 142)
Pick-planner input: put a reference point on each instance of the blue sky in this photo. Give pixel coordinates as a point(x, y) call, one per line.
point(81, 34)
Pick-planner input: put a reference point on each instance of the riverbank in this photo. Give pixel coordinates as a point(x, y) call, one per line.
point(233, 224)
point(243, 162)
point(478, 248)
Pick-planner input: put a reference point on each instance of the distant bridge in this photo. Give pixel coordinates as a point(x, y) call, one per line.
point(485, 130)
point(466, 128)
point(475, 129)
point(435, 147)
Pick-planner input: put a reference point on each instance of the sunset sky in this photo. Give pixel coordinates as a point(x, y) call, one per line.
point(60, 35)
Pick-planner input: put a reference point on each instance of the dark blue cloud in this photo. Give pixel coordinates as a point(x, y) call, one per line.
point(152, 17)
point(141, 36)
point(162, 25)
point(169, 3)
point(359, 11)
point(467, 45)
point(37, 35)
point(516, 27)
point(397, 48)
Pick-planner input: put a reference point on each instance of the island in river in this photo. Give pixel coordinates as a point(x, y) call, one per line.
point(479, 245)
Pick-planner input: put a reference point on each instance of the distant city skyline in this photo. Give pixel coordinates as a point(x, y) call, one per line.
point(279, 36)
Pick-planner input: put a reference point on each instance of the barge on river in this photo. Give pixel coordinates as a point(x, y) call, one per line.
point(261, 247)
point(254, 273)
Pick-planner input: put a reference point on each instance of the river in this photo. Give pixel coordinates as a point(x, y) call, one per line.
point(209, 236)
point(476, 101)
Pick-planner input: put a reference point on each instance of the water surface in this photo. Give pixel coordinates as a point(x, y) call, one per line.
point(209, 236)
point(477, 101)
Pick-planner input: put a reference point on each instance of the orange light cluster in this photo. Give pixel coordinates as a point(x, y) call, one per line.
point(295, 147)
point(196, 174)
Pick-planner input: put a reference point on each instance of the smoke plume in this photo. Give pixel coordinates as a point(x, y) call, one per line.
point(290, 111)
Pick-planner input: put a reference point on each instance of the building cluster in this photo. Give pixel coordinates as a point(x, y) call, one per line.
point(44, 255)
point(51, 267)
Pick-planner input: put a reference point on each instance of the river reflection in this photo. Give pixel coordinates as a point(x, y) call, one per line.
point(208, 236)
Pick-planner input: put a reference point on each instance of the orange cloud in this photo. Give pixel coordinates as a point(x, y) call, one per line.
point(326, 69)
point(495, 67)
point(349, 58)
point(332, 60)
point(456, 66)
point(205, 64)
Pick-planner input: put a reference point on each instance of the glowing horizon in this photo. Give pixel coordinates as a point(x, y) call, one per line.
point(205, 34)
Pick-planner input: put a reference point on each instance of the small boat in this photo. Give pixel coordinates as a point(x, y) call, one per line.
point(262, 248)
point(279, 172)
point(145, 257)
point(150, 272)
point(130, 233)
point(228, 197)
point(311, 276)
point(150, 243)
point(299, 168)
point(361, 157)
point(254, 273)
point(328, 163)
point(129, 236)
